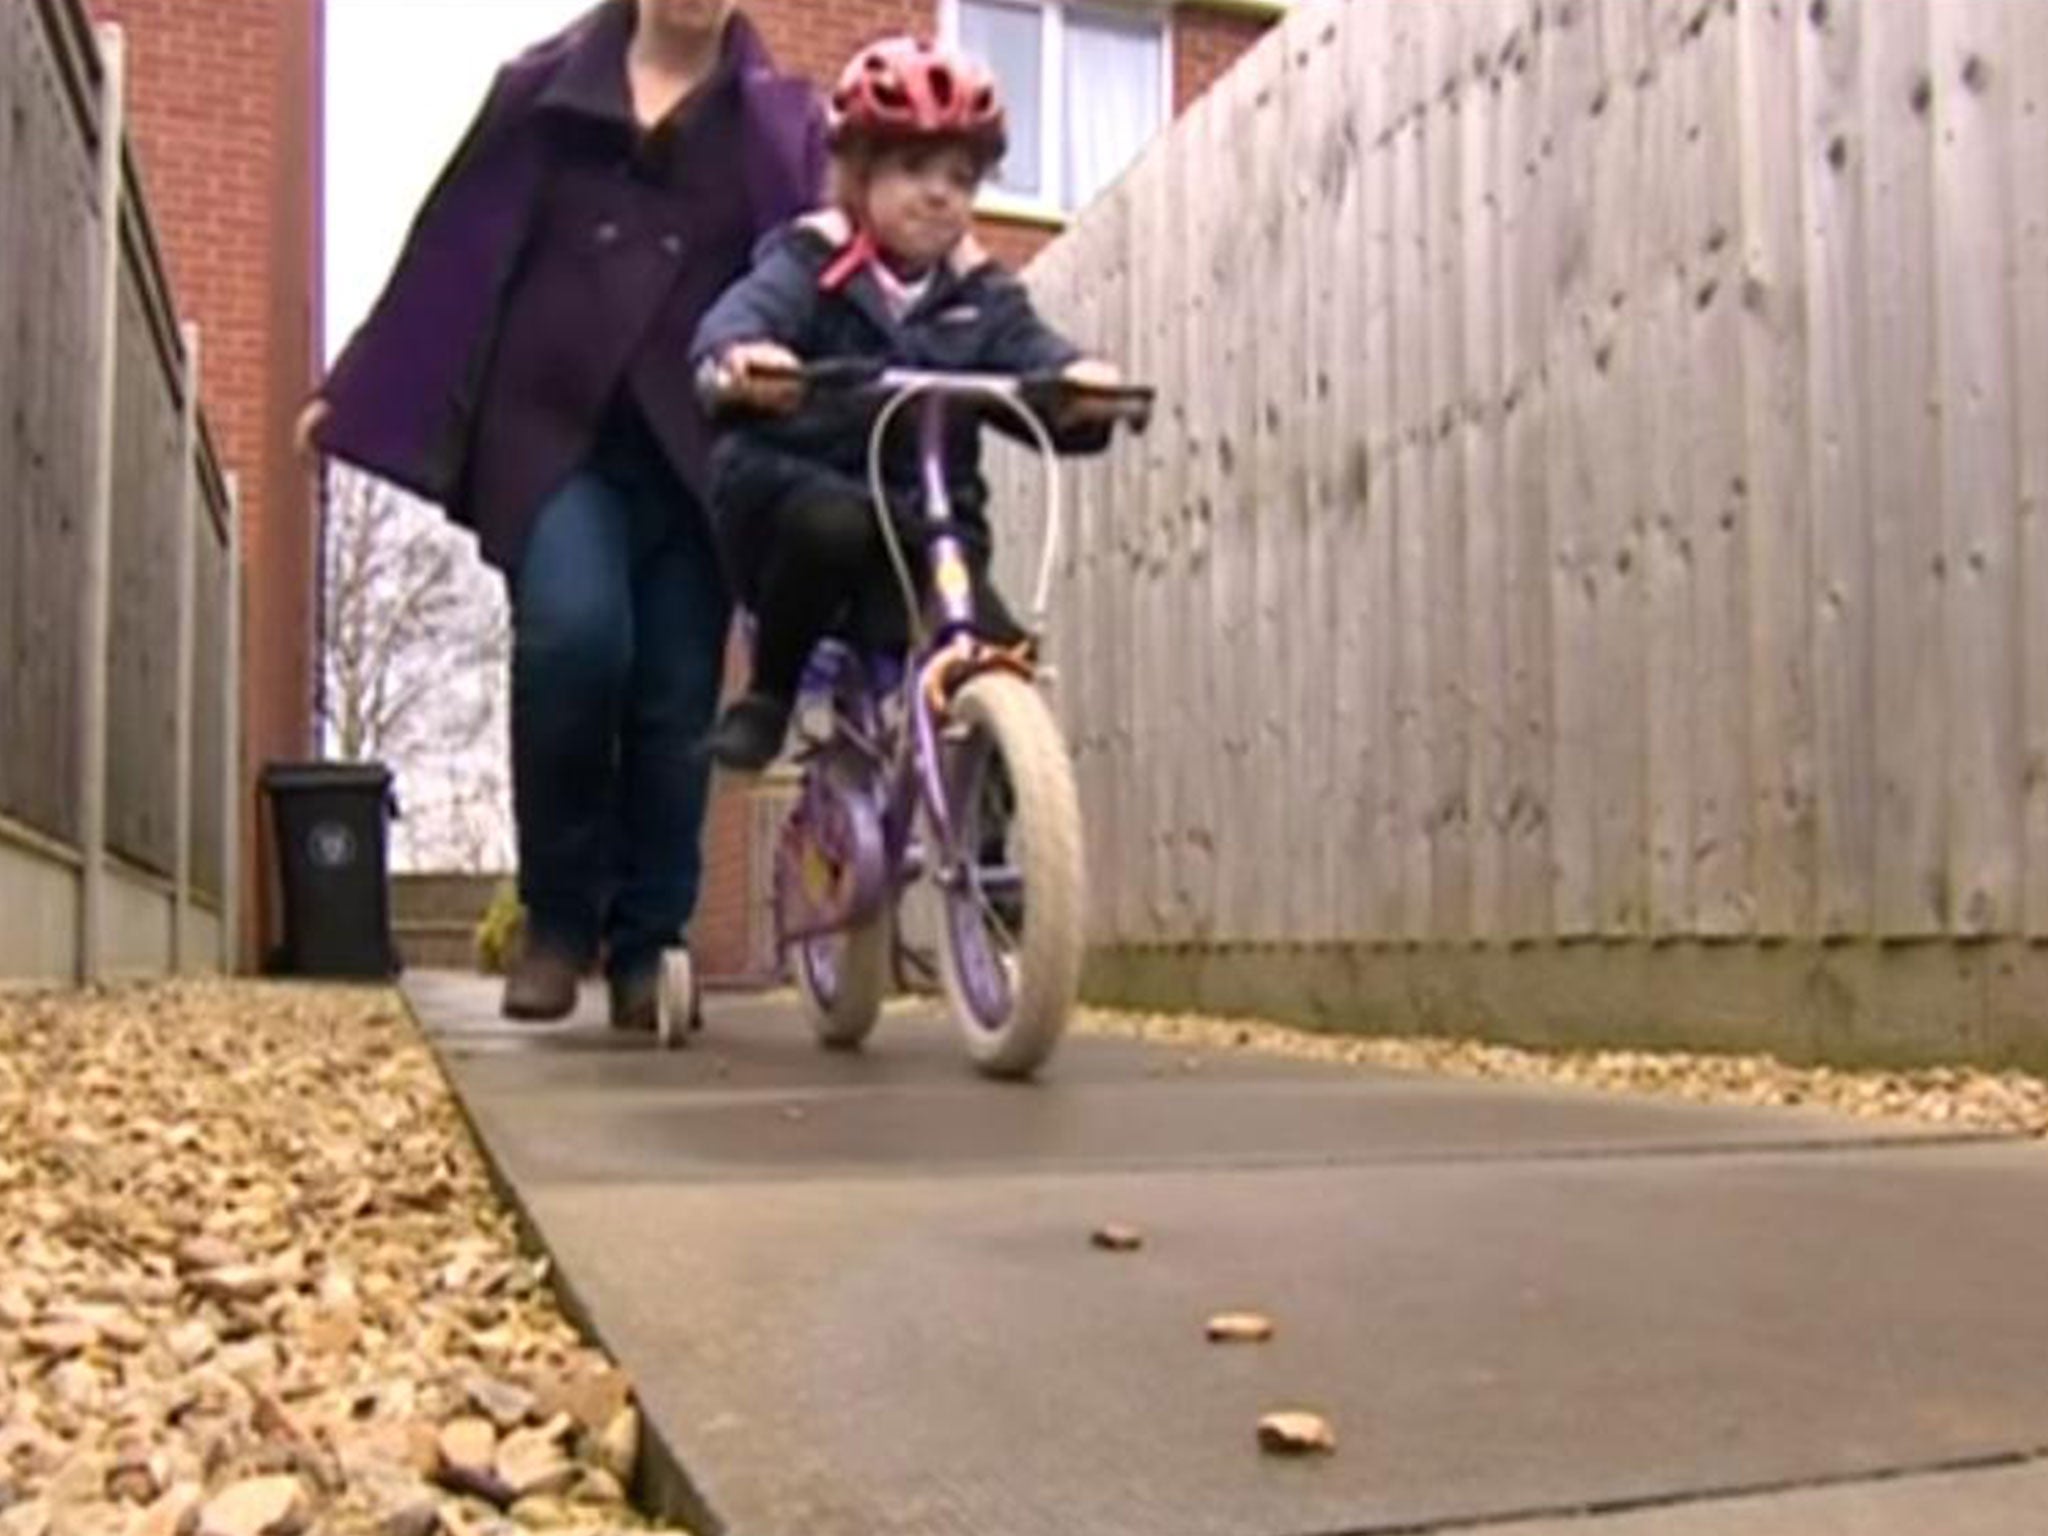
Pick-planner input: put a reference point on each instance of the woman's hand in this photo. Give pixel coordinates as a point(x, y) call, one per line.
point(308, 425)
point(760, 374)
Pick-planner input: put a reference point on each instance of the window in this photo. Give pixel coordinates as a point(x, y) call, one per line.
point(1086, 85)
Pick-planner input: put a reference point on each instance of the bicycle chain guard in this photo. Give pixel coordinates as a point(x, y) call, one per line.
point(829, 858)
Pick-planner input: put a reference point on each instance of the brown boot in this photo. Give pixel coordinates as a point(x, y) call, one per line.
point(541, 987)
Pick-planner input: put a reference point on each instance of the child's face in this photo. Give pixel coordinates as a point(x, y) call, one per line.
point(920, 202)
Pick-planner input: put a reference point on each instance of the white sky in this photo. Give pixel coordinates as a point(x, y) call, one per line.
point(404, 79)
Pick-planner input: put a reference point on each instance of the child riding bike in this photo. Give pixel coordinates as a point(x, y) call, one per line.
point(891, 276)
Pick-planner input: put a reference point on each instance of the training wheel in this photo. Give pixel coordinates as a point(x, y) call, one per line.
point(675, 1007)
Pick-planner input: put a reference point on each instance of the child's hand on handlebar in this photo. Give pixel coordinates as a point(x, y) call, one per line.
point(1090, 374)
point(762, 374)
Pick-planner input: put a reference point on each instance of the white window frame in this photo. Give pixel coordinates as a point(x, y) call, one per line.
point(1052, 94)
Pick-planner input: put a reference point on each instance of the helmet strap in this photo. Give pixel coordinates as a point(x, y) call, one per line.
point(848, 264)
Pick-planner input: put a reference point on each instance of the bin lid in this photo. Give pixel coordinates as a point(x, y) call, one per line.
point(330, 775)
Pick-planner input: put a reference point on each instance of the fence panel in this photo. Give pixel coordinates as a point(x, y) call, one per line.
point(47, 219)
point(142, 700)
point(52, 234)
point(210, 642)
point(1599, 487)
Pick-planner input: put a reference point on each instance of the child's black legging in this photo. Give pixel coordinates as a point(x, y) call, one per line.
point(824, 557)
point(827, 571)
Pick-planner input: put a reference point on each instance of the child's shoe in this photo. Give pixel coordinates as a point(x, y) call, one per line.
point(749, 734)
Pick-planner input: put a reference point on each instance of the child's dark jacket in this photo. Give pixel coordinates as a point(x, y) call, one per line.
point(974, 317)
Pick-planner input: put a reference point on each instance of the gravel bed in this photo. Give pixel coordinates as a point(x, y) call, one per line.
point(1963, 1098)
point(254, 1281)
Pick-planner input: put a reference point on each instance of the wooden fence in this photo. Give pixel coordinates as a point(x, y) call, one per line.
point(1598, 496)
point(117, 547)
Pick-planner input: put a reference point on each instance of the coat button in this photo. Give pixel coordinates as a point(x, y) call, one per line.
point(673, 244)
point(606, 232)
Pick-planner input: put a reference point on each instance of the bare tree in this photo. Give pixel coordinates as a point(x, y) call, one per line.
point(415, 653)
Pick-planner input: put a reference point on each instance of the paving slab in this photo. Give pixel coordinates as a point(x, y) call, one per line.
point(858, 1296)
point(1984, 1501)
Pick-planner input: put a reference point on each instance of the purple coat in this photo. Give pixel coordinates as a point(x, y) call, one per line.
point(403, 395)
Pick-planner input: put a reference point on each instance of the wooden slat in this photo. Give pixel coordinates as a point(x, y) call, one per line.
point(1109, 608)
point(1355, 719)
point(16, 237)
point(1111, 602)
point(1608, 359)
point(1244, 668)
point(1124, 605)
point(1774, 373)
point(1383, 874)
point(1480, 446)
point(1572, 42)
point(1410, 343)
point(1108, 659)
point(1083, 665)
point(1230, 394)
point(142, 651)
point(1723, 894)
point(1131, 489)
point(1449, 699)
point(2028, 99)
point(1269, 731)
point(1327, 197)
point(45, 292)
point(1201, 384)
point(1294, 724)
point(1525, 320)
point(1979, 490)
point(209, 637)
point(1877, 532)
point(1667, 567)
point(1164, 281)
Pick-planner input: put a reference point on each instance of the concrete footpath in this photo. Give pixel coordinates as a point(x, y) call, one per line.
point(858, 1297)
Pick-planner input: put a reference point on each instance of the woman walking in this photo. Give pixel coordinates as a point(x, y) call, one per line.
point(527, 367)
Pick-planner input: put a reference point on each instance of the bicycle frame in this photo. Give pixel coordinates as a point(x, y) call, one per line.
point(906, 759)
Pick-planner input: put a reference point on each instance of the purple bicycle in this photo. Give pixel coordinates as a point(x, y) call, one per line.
point(943, 763)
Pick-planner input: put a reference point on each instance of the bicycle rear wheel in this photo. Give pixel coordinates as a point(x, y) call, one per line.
point(1012, 934)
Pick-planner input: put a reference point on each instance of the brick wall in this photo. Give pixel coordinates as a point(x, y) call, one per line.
point(1205, 44)
point(224, 107)
point(817, 37)
point(721, 934)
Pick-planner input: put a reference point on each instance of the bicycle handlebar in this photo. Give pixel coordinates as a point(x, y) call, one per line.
point(1130, 404)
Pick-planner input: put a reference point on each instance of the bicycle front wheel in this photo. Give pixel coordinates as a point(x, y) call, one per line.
point(1011, 956)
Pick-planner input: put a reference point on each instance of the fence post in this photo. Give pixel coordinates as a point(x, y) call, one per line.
point(231, 743)
point(188, 576)
point(99, 521)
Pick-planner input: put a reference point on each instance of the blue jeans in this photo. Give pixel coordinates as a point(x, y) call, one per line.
point(619, 616)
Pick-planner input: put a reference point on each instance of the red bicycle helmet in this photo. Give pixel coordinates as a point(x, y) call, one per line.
point(906, 89)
